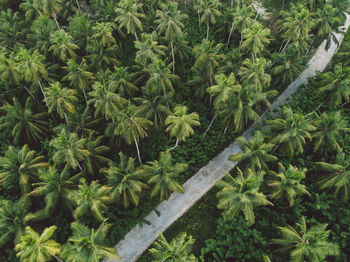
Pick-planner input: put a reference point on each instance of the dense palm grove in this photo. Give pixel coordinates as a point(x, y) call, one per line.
point(109, 106)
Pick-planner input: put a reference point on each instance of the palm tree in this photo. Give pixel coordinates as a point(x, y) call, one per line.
point(208, 56)
point(242, 107)
point(27, 6)
point(54, 186)
point(121, 81)
point(87, 244)
point(48, 8)
point(35, 247)
point(103, 33)
point(288, 65)
point(131, 126)
point(242, 18)
point(287, 183)
point(18, 166)
point(241, 194)
point(91, 199)
point(60, 99)
point(336, 176)
point(62, 45)
point(295, 25)
point(170, 22)
point(255, 39)
point(291, 131)
point(42, 28)
point(84, 123)
point(253, 72)
point(176, 251)
point(12, 220)
point(12, 29)
point(32, 67)
point(255, 153)
point(209, 10)
point(78, 76)
point(328, 129)
point(102, 57)
point(335, 85)
point(148, 49)
point(80, 28)
point(69, 149)
point(105, 100)
point(95, 159)
point(160, 78)
point(129, 16)
point(164, 175)
point(180, 124)
point(126, 183)
point(311, 244)
point(153, 107)
point(8, 69)
point(26, 125)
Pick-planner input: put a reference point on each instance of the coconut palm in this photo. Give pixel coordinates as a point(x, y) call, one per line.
point(335, 85)
point(160, 77)
point(241, 194)
point(148, 49)
point(121, 81)
point(126, 184)
point(8, 69)
point(291, 131)
point(164, 175)
point(12, 220)
point(336, 176)
point(253, 72)
point(80, 28)
point(153, 107)
point(131, 126)
point(90, 199)
point(178, 250)
point(288, 65)
point(84, 123)
point(180, 124)
point(19, 166)
point(69, 149)
point(242, 18)
point(255, 153)
point(78, 76)
point(60, 99)
point(243, 107)
point(87, 244)
point(35, 247)
point(103, 33)
point(28, 8)
point(31, 66)
point(287, 183)
point(25, 125)
point(129, 15)
point(105, 100)
point(62, 45)
point(54, 186)
point(12, 28)
point(307, 244)
point(42, 28)
point(48, 8)
point(329, 126)
point(255, 39)
point(95, 159)
point(170, 22)
point(209, 9)
point(102, 57)
point(295, 26)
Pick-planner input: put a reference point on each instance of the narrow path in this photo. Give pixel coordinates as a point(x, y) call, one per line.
point(140, 238)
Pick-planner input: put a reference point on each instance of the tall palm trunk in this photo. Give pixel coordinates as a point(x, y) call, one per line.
point(78, 5)
point(211, 123)
point(177, 141)
point(42, 91)
point(85, 95)
point(55, 18)
point(229, 36)
point(66, 117)
point(285, 46)
point(79, 166)
point(137, 39)
point(199, 20)
point(172, 54)
point(138, 151)
point(207, 30)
